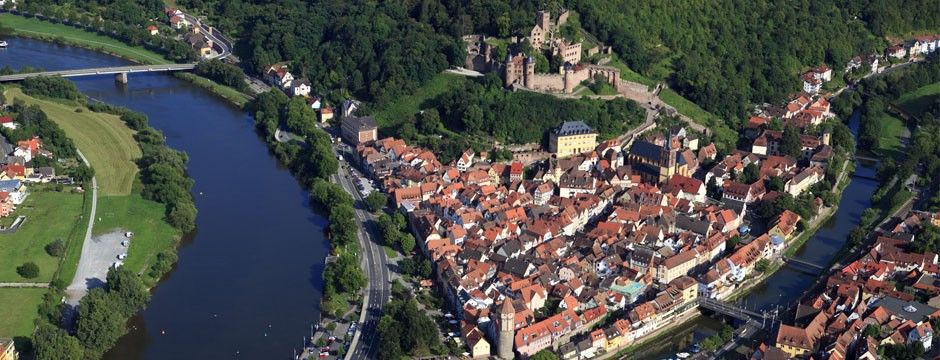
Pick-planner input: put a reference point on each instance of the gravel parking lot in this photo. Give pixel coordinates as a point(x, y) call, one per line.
point(93, 267)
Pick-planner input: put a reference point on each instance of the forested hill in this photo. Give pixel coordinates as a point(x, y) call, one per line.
point(374, 50)
point(725, 54)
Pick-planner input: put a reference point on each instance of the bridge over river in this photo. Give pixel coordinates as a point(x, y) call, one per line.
point(120, 72)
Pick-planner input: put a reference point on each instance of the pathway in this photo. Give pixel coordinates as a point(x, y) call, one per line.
point(79, 287)
point(23, 285)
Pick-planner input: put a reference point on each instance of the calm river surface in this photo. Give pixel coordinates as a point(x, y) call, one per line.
point(248, 280)
point(788, 284)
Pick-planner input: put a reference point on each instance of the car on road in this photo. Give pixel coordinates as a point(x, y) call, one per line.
point(122, 256)
point(126, 243)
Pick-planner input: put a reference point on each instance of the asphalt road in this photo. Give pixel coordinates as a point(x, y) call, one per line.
point(378, 292)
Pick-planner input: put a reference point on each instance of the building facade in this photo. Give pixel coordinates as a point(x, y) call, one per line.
point(571, 138)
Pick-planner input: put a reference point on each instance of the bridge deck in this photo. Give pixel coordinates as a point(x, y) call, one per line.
point(101, 71)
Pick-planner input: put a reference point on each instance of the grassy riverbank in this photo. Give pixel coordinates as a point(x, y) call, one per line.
point(20, 308)
point(104, 139)
point(64, 34)
point(34, 28)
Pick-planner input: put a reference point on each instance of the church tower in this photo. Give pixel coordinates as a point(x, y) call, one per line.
point(507, 331)
point(667, 161)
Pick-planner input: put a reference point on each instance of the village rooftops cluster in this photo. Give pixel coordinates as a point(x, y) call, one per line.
point(279, 76)
point(194, 37)
point(590, 230)
point(863, 294)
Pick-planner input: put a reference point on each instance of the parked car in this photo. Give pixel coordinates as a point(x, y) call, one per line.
point(122, 256)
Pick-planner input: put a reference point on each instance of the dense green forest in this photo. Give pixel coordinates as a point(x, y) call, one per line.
point(714, 55)
point(522, 117)
point(375, 51)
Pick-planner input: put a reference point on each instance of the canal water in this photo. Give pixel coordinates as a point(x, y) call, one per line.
point(248, 281)
point(788, 284)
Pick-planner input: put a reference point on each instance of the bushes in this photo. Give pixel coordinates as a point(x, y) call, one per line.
point(225, 74)
point(56, 248)
point(28, 270)
point(51, 86)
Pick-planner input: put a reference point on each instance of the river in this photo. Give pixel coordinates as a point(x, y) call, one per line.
point(788, 284)
point(248, 281)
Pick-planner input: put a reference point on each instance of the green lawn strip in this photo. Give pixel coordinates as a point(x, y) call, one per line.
point(918, 101)
point(890, 142)
point(145, 218)
point(406, 106)
point(35, 28)
point(389, 252)
point(49, 216)
point(105, 140)
point(231, 94)
point(20, 310)
point(69, 264)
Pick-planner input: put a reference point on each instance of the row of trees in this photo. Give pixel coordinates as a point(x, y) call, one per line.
point(53, 87)
point(162, 169)
point(100, 322)
point(223, 73)
point(313, 165)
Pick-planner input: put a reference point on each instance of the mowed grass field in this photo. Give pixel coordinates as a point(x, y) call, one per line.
point(105, 140)
point(144, 218)
point(918, 101)
point(31, 27)
point(20, 310)
point(49, 216)
point(890, 142)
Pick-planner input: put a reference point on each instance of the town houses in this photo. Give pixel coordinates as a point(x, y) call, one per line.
point(888, 296)
point(607, 227)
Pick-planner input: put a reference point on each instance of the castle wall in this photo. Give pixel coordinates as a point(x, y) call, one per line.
point(547, 82)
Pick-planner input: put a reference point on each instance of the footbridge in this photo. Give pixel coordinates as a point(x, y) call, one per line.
point(734, 311)
point(818, 269)
point(120, 72)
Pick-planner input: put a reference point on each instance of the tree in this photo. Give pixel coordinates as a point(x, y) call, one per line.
point(99, 323)
point(791, 144)
point(375, 201)
point(775, 184)
point(28, 270)
point(56, 248)
point(762, 265)
point(751, 173)
point(545, 354)
point(712, 189)
point(182, 215)
point(132, 294)
point(53, 343)
point(407, 243)
point(732, 242)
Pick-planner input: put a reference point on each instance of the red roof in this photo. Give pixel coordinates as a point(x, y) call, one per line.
point(6, 119)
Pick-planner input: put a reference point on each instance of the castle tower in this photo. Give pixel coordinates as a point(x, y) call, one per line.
point(569, 82)
point(667, 161)
point(543, 20)
point(509, 72)
point(507, 332)
point(529, 76)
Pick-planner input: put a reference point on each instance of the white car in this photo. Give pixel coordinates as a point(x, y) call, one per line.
point(122, 256)
point(117, 264)
point(126, 243)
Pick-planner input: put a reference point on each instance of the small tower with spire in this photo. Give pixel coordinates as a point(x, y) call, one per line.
point(507, 331)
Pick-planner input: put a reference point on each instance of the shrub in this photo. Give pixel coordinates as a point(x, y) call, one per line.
point(28, 270)
point(56, 248)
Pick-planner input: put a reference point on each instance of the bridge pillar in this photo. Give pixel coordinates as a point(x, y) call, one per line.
point(121, 78)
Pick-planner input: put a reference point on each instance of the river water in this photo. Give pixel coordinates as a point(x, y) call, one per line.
point(248, 281)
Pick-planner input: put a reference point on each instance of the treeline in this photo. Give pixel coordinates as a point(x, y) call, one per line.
point(713, 55)
point(162, 169)
point(376, 51)
point(404, 330)
point(223, 73)
point(100, 322)
point(484, 108)
point(123, 20)
point(313, 165)
point(51, 86)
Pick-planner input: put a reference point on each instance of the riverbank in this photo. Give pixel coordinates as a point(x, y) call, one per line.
point(34, 28)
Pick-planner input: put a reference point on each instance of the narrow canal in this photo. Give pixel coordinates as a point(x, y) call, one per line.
point(248, 280)
point(788, 284)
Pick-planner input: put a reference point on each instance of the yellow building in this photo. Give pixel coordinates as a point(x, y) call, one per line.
point(572, 138)
point(479, 347)
point(8, 350)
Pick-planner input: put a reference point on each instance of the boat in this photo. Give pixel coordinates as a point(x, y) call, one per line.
point(3, 44)
point(683, 355)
